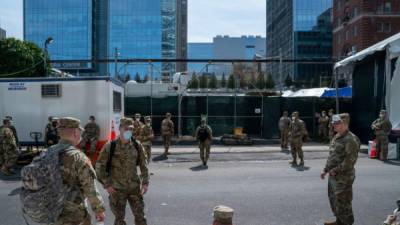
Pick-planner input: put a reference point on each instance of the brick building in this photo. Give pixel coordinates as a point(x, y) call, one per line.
point(358, 24)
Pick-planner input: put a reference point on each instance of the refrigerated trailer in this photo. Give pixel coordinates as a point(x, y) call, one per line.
point(30, 101)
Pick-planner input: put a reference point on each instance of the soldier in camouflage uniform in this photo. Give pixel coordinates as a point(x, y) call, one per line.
point(331, 130)
point(167, 131)
point(91, 135)
point(204, 136)
point(284, 124)
point(382, 127)
point(137, 125)
point(77, 171)
point(146, 136)
point(51, 136)
point(120, 176)
point(323, 124)
point(298, 133)
point(14, 130)
point(340, 165)
point(8, 148)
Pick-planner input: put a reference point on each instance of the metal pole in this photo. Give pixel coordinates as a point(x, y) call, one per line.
point(116, 62)
point(337, 90)
point(236, 89)
point(280, 66)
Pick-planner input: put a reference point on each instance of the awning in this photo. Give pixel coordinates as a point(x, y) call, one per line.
point(393, 43)
point(345, 92)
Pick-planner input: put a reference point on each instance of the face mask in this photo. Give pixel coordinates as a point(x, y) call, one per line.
point(127, 135)
point(293, 118)
point(381, 116)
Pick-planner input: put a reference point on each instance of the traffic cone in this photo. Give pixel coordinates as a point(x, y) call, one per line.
point(113, 134)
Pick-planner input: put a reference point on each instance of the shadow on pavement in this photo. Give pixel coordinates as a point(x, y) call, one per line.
point(161, 157)
point(199, 168)
point(393, 163)
point(15, 192)
point(286, 151)
point(14, 177)
point(302, 168)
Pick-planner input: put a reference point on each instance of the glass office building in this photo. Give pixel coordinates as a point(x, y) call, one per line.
point(299, 29)
point(69, 23)
point(86, 29)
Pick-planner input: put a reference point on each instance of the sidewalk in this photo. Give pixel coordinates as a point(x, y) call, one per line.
point(272, 148)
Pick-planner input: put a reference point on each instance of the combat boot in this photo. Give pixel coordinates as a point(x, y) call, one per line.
point(301, 162)
point(330, 222)
point(293, 162)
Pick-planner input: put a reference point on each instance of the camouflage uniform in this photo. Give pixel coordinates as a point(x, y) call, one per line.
point(90, 135)
point(204, 145)
point(145, 137)
point(297, 134)
point(331, 130)
point(8, 149)
point(342, 159)
point(137, 125)
point(284, 124)
point(124, 179)
point(167, 131)
point(323, 124)
point(382, 127)
point(77, 171)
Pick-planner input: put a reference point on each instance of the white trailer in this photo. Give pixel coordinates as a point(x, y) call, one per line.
point(30, 101)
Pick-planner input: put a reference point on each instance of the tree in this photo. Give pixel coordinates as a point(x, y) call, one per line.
point(194, 82)
point(146, 78)
point(127, 78)
point(203, 81)
point(260, 81)
point(223, 81)
point(213, 82)
point(137, 78)
point(288, 81)
point(231, 82)
point(243, 82)
point(270, 83)
point(22, 59)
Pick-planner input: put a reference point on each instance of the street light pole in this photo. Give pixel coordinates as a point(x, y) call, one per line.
point(48, 41)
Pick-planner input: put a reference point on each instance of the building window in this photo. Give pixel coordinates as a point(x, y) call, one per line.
point(383, 27)
point(51, 90)
point(387, 7)
point(355, 12)
point(355, 31)
point(347, 35)
point(339, 39)
point(117, 101)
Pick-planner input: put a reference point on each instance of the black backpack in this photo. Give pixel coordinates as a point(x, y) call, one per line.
point(203, 134)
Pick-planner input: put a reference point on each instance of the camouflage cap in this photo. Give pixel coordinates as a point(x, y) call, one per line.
point(147, 118)
point(69, 123)
point(331, 110)
point(382, 111)
point(125, 121)
point(223, 214)
point(137, 115)
point(343, 117)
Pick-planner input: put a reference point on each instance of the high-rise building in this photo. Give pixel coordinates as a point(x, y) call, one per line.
point(110, 29)
point(359, 24)
point(299, 29)
point(199, 51)
point(2, 33)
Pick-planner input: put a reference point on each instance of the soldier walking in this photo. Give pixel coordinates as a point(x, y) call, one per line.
point(204, 136)
point(284, 125)
point(382, 127)
point(298, 133)
point(91, 135)
point(323, 126)
point(137, 125)
point(117, 171)
point(8, 148)
point(167, 131)
point(146, 137)
point(13, 129)
point(340, 165)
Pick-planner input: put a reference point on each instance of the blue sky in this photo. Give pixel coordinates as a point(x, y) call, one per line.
point(207, 18)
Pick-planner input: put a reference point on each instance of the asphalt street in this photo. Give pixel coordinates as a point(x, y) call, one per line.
point(262, 188)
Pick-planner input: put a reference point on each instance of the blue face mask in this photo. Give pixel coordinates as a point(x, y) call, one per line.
point(127, 135)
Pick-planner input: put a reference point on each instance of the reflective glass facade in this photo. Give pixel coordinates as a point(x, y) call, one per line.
point(299, 29)
point(69, 23)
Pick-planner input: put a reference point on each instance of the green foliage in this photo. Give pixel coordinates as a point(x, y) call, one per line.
point(288, 81)
point(194, 82)
point(270, 83)
point(253, 81)
point(137, 78)
point(260, 81)
point(231, 82)
point(223, 81)
point(21, 59)
point(213, 82)
point(203, 81)
point(127, 78)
